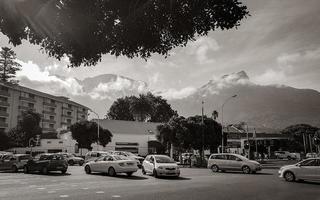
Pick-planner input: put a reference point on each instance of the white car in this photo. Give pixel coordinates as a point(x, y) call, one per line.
point(284, 155)
point(112, 165)
point(92, 155)
point(232, 162)
point(308, 169)
point(130, 156)
point(160, 165)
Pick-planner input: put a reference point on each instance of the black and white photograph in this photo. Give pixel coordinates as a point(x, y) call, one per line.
point(159, 99)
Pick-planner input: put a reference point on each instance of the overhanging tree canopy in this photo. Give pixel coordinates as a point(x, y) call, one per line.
point(83, 30)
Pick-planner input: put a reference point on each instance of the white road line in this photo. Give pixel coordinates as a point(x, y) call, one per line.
point(50, 192)
point(41, 188)
point(116, 196)
point(64, 196)
point(100, 192)
point(84, 188)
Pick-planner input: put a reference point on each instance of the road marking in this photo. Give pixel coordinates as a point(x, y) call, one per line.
point(64, 196)
point(41, 188)
point(50, 192)
point(85, 188)
point(116, 196)
point(100, 192)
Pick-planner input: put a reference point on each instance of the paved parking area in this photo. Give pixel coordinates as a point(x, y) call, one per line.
point(193, 184)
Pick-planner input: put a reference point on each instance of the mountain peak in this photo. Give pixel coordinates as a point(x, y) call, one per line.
point(234, 77)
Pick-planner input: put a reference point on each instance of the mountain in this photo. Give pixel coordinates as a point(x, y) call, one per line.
point(271, 106)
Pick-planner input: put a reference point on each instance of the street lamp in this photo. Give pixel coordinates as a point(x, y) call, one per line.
point(222, 145)
point(30, 145)
point(98, 143)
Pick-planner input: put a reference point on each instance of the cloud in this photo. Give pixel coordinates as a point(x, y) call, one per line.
point(178, 94)
point(154, 79)
point(32, 76)
point(119, 87)
point(201, 48)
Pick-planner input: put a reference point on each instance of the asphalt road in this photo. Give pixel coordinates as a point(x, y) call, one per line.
point(193, 184)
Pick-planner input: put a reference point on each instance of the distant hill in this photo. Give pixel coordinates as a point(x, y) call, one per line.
point(271, 106)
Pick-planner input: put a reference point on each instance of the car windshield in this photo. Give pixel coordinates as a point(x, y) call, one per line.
point(164, 159)
point(129, 154)
point(242, 157)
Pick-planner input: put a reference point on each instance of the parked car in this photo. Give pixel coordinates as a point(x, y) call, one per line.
point(308, 169)
point(285, 155)
point(160, 165)
point(47, 163)
point(112, 164)
point(232, 162)
point(130, 156)
point(72, 159)
point(312, 155)
point(3, 153)
point(93, 155)
point(14, 162)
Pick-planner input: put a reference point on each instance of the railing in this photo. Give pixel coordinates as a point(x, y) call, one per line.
point(2, 103)
point(49, 120)
point(4, 114)
point(26, 108)
point(3, 124)
point(48, 112)
point(66, 108)
point(27, 99)
point(49, 104)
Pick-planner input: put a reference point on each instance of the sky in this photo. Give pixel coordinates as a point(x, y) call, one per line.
point(278, 44)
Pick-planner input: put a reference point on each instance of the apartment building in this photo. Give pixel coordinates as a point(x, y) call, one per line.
point(57, 112)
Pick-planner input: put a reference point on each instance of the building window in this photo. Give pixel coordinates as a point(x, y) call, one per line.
point(51, 125)
point(51, 117)
point(83, 116)
point(3, 99)
point(31, 96)
point(53, 101)
point(68, 113)
point(5, 89)
point(3, 109)
point(83, 109)
point(60, 142)
point(30, 105)
point(2, 119)
point(52, 109)
point(69, 106)
point(69, 121)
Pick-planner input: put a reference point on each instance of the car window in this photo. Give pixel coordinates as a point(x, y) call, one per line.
point(220, 157)
point(103, 158)
point(94, 154)
point(151, 159)
point(311, 162)
point(232, 157)
point(164, 159)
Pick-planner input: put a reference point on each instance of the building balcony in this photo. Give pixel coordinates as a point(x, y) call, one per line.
point(4, 114)
point(81, 112)
point(27, 99)
point(4, 93)
point(48, 112)
point(66, 123)
point(26, 108)
point(66, 108)
point(49, 120)
point(48, 129)
point(6, 104)
point(67, 116)
point(50, 104)
point(3, 125)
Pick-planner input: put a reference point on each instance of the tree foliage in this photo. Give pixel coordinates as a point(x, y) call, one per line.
point(5, 141)
point(190, 133)
point(8, 65)
point(28, 127)
point(144, 107)
point(85, 133)
point(85, 29)
point(296, 133)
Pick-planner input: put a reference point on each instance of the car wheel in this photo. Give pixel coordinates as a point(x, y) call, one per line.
point(87, 169)
point(214, 168)
point(63, 171)
point(44, 170)
point(289, 176)
point(143, 171)
point(14, 168)
point(71, 162)
point(25, 170)
point(129, 173)
point(112, 172)
point(246, 170)
point(155, 174)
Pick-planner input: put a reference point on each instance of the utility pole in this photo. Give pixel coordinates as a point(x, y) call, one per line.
point(304, 143)
point(202, 133)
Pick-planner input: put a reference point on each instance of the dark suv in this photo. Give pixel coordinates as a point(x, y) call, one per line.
point(47, 163)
